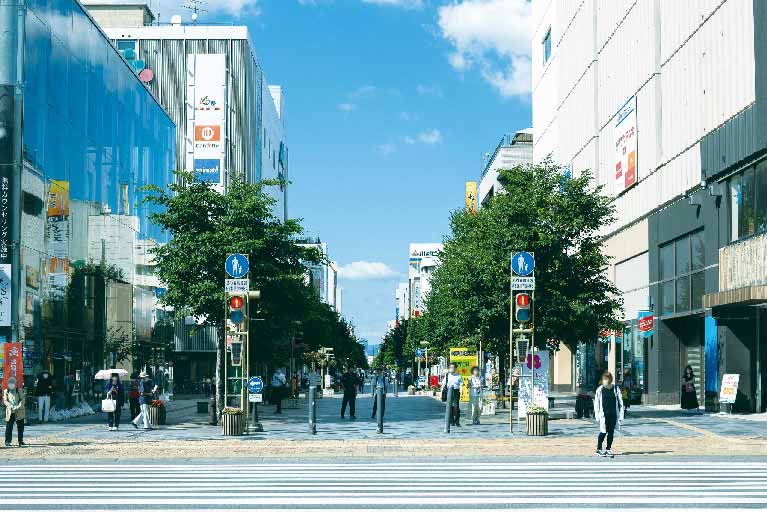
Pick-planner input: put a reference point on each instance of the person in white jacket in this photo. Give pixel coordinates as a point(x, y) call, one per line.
point(608, 409)
point(454, 381)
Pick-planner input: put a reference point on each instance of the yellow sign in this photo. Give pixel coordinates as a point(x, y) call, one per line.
point(471, 197)
point(464, 360)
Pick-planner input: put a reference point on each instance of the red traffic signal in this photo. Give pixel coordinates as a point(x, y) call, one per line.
point(523, 300)
point(522, 311)
point(236, 302)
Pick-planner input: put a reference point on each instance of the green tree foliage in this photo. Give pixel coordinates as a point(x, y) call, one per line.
point(543, 211)
point(392, 350)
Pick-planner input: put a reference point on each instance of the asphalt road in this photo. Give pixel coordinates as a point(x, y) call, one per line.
point(631, 483)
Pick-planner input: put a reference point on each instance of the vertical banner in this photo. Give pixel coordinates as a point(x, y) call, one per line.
point(206, 114)
point(464, 359)
point(471, 197)
point(625, 134)
point(13, 364)
point(57, 225)
point(538, 363)
point(9, 145)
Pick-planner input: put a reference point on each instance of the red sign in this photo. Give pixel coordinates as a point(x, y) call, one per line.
point(434, 381)
point(645, 324)
point(13, 365)
point(207, 132)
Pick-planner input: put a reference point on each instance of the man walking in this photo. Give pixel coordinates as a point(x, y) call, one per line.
point(454, 381)
point(44, 391)
point(144, 400)
point(379, 381)
point(279, 383)
point(349, 381)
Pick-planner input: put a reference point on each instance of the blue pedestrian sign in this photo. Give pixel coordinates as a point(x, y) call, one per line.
point(237, 265)
point(255, 385)
point(419, 352)
point(523, 263)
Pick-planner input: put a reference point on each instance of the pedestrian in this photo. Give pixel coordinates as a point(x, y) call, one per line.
point(608, 408)
point(475, 395)
point(378, 380)
point(133, 399)
point(279, 384)
point(13, 399)
point(454, 381)
point(689, 395)
point(114, 390)
point(144, 400)
point(294, 387)
point(349, 381)
point(44, 391)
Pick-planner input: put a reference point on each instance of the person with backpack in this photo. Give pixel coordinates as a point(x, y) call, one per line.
point(609, 410)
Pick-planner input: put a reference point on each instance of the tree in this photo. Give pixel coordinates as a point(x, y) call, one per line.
point(206, 226)
point(559, 219)
point(392, 350)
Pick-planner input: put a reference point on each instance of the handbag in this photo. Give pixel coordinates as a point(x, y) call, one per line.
point(444, 394)
point(108, 405)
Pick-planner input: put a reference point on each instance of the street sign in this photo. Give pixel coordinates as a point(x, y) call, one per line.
point(237, 285)
point(419, 352)
point(522, 283)
point(523, 264)
point(314, 379)
point(255, 385)
point(237, 265)
point(255, 398)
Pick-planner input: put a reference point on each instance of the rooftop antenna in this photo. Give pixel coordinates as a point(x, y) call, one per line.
point(196, 7)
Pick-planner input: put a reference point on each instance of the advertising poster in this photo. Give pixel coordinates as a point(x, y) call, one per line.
point(645, 323)
point(13, 364)
point(206, 111)
point(626, 146)
point(729, 390)
point(58, 236)
point(471, 197)
point(538, 363)
point(464, 359)
point(5, 295)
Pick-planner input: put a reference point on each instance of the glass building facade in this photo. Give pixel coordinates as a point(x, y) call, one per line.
point(80, 136)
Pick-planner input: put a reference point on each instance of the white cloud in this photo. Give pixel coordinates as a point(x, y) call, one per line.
point(386, 149)
point(404, 4)
point(429, 90)
point(366, 270)
point(408, 116)
point(493, 36)
point(430, 137)
point(366, 91)
point(347, 107)
point(407, 139)
point(234, 8)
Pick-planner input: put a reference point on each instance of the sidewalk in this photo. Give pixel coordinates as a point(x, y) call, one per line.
point(413, 427)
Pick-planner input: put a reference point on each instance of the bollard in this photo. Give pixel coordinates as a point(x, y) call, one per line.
point(379, 409)
point(448, 409)
point(312, 410)
point(212, 408)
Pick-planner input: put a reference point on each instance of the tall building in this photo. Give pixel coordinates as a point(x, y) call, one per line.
point(512, 151)
point(81, 136)
point(402, 297)
point(666, 103)
point(423, 261)
point(324, 277)
point(214, 88)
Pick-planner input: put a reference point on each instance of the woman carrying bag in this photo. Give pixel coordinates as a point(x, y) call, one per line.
point(114, 401)
point(13, 399)
point(689, 395)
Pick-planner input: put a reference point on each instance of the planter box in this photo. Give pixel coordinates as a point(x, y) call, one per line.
point(157, 416)
point(232, 424)
point(537, 424)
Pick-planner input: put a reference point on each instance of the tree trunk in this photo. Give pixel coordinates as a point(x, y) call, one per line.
point(220, 362)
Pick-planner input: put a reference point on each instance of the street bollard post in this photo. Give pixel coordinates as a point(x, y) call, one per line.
point(448, 409)
point(312, 410)
point(379, 409)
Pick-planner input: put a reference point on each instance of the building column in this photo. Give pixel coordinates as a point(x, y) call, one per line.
point(711, 373)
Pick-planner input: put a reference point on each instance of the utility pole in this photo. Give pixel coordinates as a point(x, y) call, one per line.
point(522, 279)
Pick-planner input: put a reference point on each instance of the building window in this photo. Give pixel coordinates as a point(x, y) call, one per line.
point(748, 202)
point(547, 46)
point(127, 44)
point(681, 267)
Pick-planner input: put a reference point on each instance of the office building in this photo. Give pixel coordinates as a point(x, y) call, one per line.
point(666, 103)
point(423, 261)
point(512, 151)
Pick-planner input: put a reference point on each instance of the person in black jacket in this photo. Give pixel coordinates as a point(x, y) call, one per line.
point(349, 381)
point(44, 392)
point(114, 390)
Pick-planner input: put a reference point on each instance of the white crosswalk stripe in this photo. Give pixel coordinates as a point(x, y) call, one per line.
point(429, 485)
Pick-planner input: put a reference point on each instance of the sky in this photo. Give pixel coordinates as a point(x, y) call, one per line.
point(390, 107)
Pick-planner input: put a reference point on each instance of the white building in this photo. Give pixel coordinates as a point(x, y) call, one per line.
point(423, 261)
point(511, 151)
point(324, 277)
point(665, 102)
point(402, 297)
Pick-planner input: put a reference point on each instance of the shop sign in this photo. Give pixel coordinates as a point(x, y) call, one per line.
point(13, 364)
point(729, 389)
point(646, 323)
point(625, 137)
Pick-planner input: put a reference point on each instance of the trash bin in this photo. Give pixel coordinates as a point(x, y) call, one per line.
point(202, 407)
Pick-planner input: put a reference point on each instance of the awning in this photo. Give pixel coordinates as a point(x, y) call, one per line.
point(744, 296)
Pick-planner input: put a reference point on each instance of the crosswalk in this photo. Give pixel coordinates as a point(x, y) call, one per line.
point(429, 485)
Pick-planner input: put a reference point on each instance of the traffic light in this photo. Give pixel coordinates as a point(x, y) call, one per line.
point(522, 310)
point(236, 353)
point(236, 309)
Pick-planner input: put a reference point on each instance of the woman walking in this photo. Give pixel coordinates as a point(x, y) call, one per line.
point(13, 399)
point(114, 390)
point(475, 395)
point(608, 409)
point(689, 395)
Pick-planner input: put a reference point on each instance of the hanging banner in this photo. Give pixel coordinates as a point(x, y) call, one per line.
point(13, 364)
point(471, 197)
point(646, 323)
point(625, 136)
point(464, 359)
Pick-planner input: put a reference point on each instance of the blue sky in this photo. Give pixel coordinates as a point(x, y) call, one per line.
point(390, 107)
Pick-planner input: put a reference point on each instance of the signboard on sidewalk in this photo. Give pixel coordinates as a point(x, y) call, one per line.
point(729, 390)
point(463, 359)
point(538, 363)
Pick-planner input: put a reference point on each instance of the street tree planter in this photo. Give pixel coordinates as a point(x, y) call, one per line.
point(157, 413)
point(232, 422)
point(537, 421)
